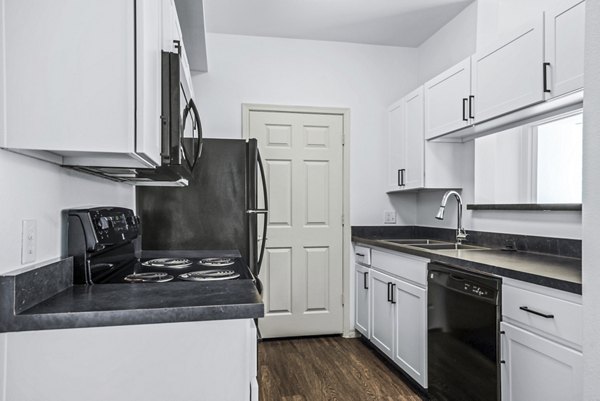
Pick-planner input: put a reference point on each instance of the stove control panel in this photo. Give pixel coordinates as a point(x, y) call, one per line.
point(114, 225)
point(98, 228)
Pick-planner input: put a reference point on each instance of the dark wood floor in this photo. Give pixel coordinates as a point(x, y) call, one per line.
point(326, 368)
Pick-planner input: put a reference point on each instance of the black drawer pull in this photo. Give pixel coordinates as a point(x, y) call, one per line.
point(365, 286)
point(464, 109)
point(392, 296)
point(388, 292)
point(361, 255)
point(545, 315)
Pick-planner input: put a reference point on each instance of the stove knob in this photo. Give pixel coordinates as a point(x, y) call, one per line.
point(103, 223)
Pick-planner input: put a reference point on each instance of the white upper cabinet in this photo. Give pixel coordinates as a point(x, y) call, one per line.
point(415, 163)
point(447, 99)
point(148, 70)
point(406, 142)
point(565, 34)
point(509, 74)
point(86, 79)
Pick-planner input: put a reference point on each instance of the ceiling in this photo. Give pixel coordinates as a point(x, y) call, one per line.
point(378, 22)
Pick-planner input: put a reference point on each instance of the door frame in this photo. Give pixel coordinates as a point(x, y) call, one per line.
point(247, 108)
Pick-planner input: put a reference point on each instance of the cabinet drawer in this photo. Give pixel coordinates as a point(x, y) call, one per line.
point(411, 268)
point(560, 318)
point(362, 255)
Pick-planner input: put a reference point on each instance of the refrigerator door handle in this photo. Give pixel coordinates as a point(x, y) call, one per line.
point(263, 211)
point(257, 211)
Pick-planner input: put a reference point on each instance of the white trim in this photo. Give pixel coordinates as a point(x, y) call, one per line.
point(348, 330)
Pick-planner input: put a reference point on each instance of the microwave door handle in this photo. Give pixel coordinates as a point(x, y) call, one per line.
point(191, 106)
point(266, 200)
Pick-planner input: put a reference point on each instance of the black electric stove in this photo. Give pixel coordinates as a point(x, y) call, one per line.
point(104, 243)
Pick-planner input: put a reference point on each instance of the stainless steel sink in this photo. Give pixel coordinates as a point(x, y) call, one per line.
point(447, 246)
point(415, 242)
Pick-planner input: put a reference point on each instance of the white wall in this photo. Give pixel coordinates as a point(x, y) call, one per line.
point(363, 78)
point(591, 200)
point(452, 43)
point(33, 189)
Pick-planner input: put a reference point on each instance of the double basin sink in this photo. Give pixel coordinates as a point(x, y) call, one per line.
point(433, 244)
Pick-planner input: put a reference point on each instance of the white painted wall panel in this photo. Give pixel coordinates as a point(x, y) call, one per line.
point(32, 189)
point(364, 78)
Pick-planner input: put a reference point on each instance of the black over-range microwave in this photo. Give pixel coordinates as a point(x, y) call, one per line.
point(181, 133)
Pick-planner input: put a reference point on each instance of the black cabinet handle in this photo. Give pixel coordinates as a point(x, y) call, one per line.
point(392, 295)
point(365, 286)
point(545, 315)
point(388, 292)
point(546, 89)
point(361, 255)
point(401, 177)
point(471, 112)
point(464, 110)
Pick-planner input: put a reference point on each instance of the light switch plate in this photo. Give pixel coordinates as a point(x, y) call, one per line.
point(28, 241)
point(389, 217)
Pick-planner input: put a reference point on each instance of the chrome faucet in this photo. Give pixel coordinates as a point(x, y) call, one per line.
point(461, 234)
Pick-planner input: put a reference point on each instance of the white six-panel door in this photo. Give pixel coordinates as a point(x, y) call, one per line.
point(302, 267)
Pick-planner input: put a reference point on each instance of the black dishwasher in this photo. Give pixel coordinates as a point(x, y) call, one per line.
point(463, 323)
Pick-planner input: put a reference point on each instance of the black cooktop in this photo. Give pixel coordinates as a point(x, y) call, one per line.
point(191, 261)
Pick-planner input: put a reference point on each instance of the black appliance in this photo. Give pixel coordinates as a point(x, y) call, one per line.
point(463, 335)
point(218, 210)
point(104, 244)
point(181, 134)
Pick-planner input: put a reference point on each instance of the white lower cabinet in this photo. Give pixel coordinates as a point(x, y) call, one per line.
point(538, 369)
point(398, 302)
point(410, 346)
point(540, 343)
point(382, 312)
point(190, 361)
point(361, 291)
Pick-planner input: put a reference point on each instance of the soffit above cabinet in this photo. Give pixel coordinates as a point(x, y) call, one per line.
point(191, 19)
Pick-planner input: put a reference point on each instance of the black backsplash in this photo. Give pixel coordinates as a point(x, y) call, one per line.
point(527, 243)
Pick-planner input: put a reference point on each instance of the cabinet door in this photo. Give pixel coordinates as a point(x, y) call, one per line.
point(538, 369)
point(148, 66)
point(414, 140)
point(565, 34)
point(362, 309)
point(447, 100)
point(508, 75)
point(410, 352)
point(396, 145)
point(382, 312)
point(69, 75)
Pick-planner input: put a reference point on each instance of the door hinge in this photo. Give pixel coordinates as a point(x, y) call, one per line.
point(343, 220)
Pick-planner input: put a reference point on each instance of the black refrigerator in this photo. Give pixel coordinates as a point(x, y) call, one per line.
point(219, 208)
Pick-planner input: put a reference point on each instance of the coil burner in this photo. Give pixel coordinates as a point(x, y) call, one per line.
point(217, 262)
point(149, 277)
point(168, 263)
point(209, 275)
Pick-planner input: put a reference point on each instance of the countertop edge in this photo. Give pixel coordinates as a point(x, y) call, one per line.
point(545, 281)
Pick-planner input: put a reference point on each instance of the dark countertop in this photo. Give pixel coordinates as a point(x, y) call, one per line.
point(29, 302)
point(558, 272)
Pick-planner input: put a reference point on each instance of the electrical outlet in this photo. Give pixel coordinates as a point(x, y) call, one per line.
point(28, 241)
point(389, 217)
